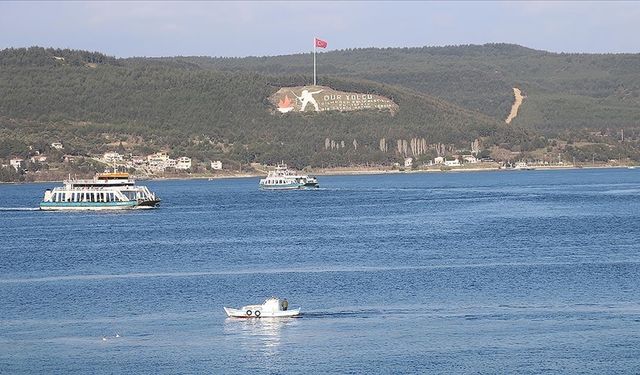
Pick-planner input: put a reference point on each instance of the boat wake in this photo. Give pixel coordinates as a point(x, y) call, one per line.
point(19, 209)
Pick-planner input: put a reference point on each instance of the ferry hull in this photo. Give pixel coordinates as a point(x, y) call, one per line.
point(86, 206)
point(237, 313)
point(148, 204)
point(289, 187)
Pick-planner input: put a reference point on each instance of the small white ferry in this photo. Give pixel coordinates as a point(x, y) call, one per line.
point(271, 308)
point(284, 179)
point(106, 191)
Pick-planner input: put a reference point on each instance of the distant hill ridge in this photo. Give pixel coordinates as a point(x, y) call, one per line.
point(595, 89)
point(213, 107)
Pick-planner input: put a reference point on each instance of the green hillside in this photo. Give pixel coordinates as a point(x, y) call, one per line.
point(217, 108)
point(210, 113)
point(480, 78)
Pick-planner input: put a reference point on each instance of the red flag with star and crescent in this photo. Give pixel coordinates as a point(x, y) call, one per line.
point(321, 43)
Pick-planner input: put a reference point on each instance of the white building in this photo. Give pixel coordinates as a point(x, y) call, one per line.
point(158, 161)
point(112, 157)
point(38, 159)
point(158, 156)
point(408, 162)
point(138, 160)
point(452, 163)
point(438, 160)
point(16, 163)
point(470, 159)
point(57, 145)
point(183, 163)
point(216, 165)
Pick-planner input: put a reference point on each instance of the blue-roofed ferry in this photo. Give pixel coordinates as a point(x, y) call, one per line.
point(106, 191)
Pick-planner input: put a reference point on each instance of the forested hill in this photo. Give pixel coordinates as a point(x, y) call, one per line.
point(88, 100)
point(562, 90)
point(218, 108)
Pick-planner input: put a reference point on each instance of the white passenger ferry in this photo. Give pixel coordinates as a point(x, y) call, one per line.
point(284, 179)
point(106, 191)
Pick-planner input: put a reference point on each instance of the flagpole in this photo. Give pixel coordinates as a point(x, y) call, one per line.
point(314, 61)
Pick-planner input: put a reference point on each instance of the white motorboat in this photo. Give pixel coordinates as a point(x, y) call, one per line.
point(271, 308)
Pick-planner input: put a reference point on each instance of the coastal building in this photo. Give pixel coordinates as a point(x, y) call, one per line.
point(216, 165)
point(17, 163)
point(183, 163)
point(138, 160)
point(452, 163)
point(112, 157)
point(158, 161)
point(57, 145)
point(408, 162)
point(438, 160)
point(469, 159)
point(38, 159)
point(158, 156)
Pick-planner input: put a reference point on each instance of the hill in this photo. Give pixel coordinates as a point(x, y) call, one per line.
point(218, 108)
point(210, 112)
point(563, 90)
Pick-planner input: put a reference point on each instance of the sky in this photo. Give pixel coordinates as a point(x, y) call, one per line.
point(268, 28)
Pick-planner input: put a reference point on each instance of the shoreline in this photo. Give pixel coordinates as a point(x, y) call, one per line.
point(357, 172)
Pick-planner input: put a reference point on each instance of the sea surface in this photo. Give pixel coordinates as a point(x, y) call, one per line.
point(488, 272)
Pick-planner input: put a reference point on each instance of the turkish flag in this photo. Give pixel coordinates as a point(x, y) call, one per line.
point(321, 43)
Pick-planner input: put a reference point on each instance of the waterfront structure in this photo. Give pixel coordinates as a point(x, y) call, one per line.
point(521, 165)
point(183, 163)
point(470, 159)
point(158, 162)
point(408, 162)
point(216, 165)
point(16, 163)
point(112, 157)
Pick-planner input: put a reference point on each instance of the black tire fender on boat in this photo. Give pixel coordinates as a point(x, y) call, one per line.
point(248, 312)
point(257, 313)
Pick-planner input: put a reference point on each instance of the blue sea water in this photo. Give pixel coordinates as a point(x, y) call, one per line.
point(492, 272)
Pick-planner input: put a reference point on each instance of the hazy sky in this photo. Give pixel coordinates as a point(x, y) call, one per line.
point(261, 28)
